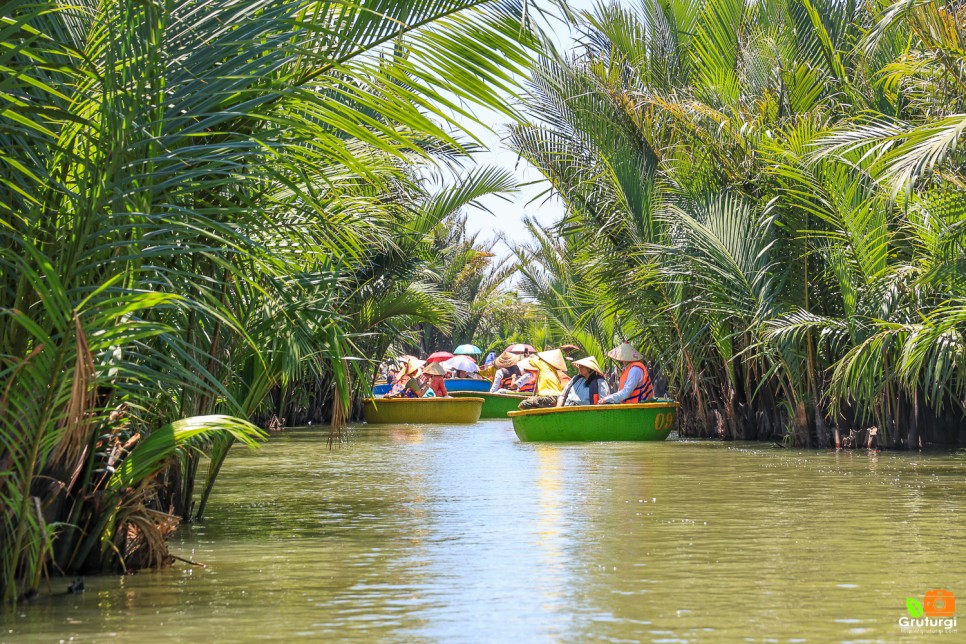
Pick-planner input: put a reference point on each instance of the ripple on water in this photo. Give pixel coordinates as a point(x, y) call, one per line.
point(464, 533)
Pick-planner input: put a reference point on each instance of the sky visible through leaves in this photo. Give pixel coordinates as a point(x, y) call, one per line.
point(532, 200)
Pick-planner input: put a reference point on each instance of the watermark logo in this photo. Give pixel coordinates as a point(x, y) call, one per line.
point(935, 614)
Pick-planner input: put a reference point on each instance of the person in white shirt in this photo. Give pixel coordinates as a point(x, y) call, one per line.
point(588, 387)
point(507, 372)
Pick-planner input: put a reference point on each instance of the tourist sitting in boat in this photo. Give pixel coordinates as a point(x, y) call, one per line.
point(488, 369)
point(635, 382)
point(437, 384)
point(407, 384)
point(507, 372)
point(527, 382)
point(549, 364)
point(587, 387)
point(462, 367)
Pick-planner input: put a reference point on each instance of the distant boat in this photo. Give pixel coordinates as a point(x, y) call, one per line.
point(494, 405)
point(651, 421)
point(452, 384)
point(421, 410)
point(467, 384)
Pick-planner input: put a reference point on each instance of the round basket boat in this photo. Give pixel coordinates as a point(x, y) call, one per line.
point(421, 410)
point(468, 384)
point(452, 385)
point(494, 405)
point(652, 421)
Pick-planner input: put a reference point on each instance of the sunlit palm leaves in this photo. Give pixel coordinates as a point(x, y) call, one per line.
point(192, 195)
point(800, 235)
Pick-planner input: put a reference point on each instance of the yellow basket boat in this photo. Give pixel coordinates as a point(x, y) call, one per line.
point(421, 410)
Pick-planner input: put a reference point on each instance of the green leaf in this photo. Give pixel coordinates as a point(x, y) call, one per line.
point(914, 607)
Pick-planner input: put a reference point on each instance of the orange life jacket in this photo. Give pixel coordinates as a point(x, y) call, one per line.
point(644, 390)
point(529, 387)
point(507, 380)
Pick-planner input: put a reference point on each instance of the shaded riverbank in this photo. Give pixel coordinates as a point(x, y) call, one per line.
point(463, 533)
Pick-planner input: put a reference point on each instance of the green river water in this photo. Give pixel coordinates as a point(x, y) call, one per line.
point(462, 534)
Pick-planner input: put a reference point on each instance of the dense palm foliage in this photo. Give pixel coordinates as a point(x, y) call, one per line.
point(202, 203)
point(476, 276)
point(435, 287)
point(769, 197)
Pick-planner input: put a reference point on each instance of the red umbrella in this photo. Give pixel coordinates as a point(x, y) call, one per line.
point(439, 356)
point(521, 348)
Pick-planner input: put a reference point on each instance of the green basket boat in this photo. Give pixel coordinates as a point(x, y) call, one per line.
point(421, 410)
point(651, 421)
point(494, 405)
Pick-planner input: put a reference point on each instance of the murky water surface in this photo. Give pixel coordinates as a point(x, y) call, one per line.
point(465, 534)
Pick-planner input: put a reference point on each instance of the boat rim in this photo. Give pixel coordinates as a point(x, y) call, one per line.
point(608, 407)
point(487, 393)
point(446, 399)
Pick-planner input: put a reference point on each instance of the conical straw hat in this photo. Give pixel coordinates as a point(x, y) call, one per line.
point(526, 365)
point(625, 353)
point(554, 358)
point(413, 366)
point(505, 360)
point(591, 363)
point(435, 369)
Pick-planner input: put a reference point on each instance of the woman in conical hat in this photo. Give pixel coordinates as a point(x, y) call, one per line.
point(588, 387)
point(554, 358)
point(506, 359)
point(625, 353)
point(507, 371)
point(590, 362)
point(549, 364)
point(436, 372)
point(635, 383)
point(408, 385)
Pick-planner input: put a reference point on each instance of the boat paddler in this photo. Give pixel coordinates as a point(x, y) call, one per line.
point(407, 385)
point(437, 383)
point(587, 387)
point(635, 383)
point(549, 364)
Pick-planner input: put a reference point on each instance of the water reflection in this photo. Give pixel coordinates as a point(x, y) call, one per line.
point(551, 541)
point(463, 533)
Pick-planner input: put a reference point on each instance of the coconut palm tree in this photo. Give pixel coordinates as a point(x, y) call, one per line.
point(185, 187)
point(768, 192)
